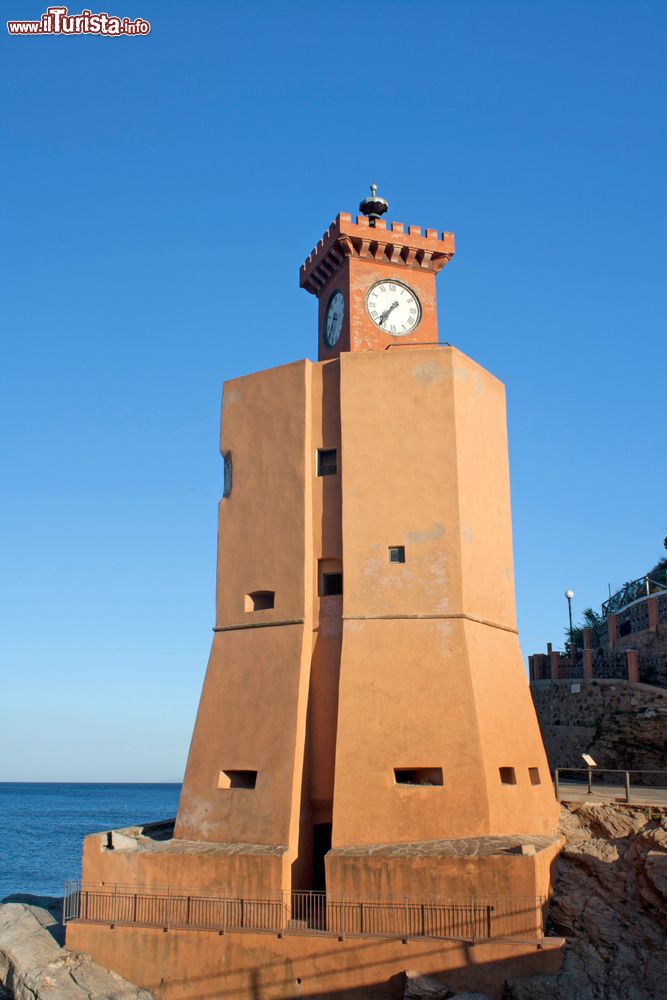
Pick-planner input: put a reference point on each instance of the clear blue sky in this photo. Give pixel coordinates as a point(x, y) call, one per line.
point(160, 194)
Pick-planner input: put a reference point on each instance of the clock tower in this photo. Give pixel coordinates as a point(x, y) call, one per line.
point(375, 283)
point(365, 739)
point(366, 685)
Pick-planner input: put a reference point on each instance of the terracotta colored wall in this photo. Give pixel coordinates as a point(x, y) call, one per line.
point(260, 691)
point(386, 873)
point(406, 701)
point(326, 490)
point(510, 735)
point(325, 499)
point(399, 482)
point(327, 625)
point(180, 864)
point(425, 466)
point(203, 965)
point(262, 539)
point(252, 716)
point(482, 471)
point(429, 657)
point(252, 713)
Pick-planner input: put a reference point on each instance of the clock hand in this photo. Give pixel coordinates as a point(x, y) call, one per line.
point(385, 314)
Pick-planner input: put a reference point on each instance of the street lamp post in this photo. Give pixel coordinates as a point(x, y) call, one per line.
point(569, 595)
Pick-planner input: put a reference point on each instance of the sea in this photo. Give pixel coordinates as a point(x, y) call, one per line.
point(42, 827)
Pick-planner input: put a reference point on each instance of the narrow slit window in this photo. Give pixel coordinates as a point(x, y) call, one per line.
point(507, 775)
point(534, 775)
point(260, 600)
point(397, 553)
point(332, 584)
point(327, 461)
point(418, 775)
point(227, 474)
point(237, 779)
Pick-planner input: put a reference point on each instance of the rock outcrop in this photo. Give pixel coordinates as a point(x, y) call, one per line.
point(34, 965)
point(418, 987)
point(610, 902)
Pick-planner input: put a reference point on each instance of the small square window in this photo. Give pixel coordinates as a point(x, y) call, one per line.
point(397, 553)
point(260, 600)
point(534, 775)
point(327, 461)
point(332, 584)
point(508, 775)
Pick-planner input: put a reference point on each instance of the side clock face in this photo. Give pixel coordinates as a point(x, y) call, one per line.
point(333, 318)
point(393, 307)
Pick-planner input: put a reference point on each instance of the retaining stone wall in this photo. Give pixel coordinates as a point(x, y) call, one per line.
point(620, 725)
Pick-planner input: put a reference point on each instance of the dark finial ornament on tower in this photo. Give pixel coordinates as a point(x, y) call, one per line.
point(374, 206)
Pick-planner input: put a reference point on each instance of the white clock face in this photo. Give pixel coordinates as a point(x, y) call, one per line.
point(333, 318)
point(393, 307)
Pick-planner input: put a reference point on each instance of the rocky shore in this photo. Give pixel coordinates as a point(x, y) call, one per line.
point(610, 902)
point(35, 966)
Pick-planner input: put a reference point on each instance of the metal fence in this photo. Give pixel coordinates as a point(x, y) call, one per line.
point(643, 781)
point(461, 918)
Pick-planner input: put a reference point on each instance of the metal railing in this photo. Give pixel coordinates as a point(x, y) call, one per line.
point(633, 591)
point(594, 777)
point(461, 918)
point(419, 343)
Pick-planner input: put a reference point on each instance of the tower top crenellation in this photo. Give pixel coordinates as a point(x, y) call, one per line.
point(382, 242)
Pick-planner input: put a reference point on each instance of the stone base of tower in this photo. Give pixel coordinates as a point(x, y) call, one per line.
point(149, 857)
point(195, 964)
point(515, 874)
point(190, 920)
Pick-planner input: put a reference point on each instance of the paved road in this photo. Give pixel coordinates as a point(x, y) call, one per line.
point(576, 791)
